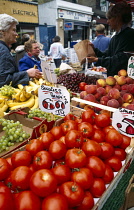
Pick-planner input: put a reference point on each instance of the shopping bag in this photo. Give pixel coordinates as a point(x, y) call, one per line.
point(83, 49)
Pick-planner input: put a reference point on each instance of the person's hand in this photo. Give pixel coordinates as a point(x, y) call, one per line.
point(92, 59)
point(34, 73)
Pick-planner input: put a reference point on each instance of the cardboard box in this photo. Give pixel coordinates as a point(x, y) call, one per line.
point(35, 127)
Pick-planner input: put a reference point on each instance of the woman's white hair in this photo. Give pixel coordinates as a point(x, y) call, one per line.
point(5, 22)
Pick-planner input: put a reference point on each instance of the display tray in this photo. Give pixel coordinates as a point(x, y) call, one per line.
point(114, 195)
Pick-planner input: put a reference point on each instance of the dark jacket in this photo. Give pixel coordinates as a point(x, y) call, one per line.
point(28, 62)
point(8, 69)
point(114, 58)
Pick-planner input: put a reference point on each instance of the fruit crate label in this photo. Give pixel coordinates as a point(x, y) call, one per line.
point(130, 68)
point(54, 100)
point(123, 121)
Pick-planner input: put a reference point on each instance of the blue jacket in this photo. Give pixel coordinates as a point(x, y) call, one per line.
point(28, 62)
point(101, 42)
point(8, 69)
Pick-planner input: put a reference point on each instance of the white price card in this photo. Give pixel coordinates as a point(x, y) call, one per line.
point(130, 68)
point(54, 100)
point(123, 121)
point(48, 71)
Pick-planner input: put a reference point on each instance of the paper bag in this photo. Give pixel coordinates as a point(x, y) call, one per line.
point(83, 48)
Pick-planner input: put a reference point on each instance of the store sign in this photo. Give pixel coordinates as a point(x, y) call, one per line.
point(54, 100)
point(130, 69)
point(23, 12)
point(123, 121)
point(64, 14)
point(69, 26)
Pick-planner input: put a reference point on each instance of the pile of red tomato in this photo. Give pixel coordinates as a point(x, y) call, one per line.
point(66, 168)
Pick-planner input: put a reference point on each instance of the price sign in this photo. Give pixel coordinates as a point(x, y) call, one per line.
point(54, 100)
point(130, 69)
point(123, 121)
point(48, 71)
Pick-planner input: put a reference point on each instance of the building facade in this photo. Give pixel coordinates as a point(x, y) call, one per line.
point(72, 22)
point(27, 15)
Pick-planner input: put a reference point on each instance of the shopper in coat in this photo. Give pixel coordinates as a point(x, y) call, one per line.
point(20, 51)
point(114, 58)
point(101, 41)
point(57, 51)
point(31, 57)
point(8, 69)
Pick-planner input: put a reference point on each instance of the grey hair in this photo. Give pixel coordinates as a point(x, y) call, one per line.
point(5, 23)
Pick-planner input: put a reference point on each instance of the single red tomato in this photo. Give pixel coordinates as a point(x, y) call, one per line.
point(120, 153)
point(6, 201)
point(21, 158)
point(114, 137)
point(98, 187)
point(57, 132)
point(34, 146)
point(75, 158)
point(42, 160)
point(96, 165)
point(62, 173)
point(73, 138)
point(91, 147)
point(43, 182)
point(68, 125)
point(86, 129)
point(107, 150)
point(27, 200)
point(4, 169)
point(69, 116)
point(82, 176)
point(55, 201)
point(20, 177)
point(87, 203)
point(109, 174)
point(47, 138)
point(125, 142)
point(88, 116)
point(73, 192)
point(114, 162)
point(82, 85)
point(107, 128)
point(57, 149)
point(98, 136)
point(102, 120)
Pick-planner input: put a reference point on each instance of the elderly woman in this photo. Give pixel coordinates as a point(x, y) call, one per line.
point(31, 57)
point(8, 69)
point(114, 58)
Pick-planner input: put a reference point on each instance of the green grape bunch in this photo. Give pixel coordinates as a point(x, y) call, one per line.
point(14, 133)
point(7, 90)
point(41, 114)
point(57, 71)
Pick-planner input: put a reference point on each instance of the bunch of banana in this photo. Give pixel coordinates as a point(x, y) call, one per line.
point(42, 81)
point(16, 105)
point(21, 95)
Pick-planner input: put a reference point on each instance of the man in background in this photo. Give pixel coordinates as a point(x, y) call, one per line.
point(101, 41)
